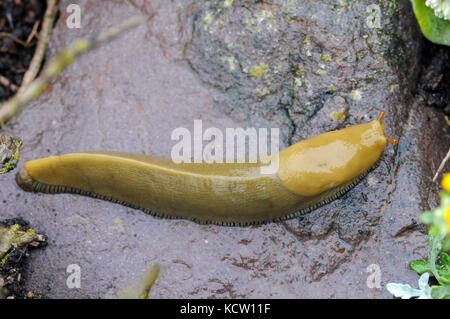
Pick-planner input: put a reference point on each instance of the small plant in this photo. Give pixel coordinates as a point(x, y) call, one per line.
point(441, 8)
point(438, 242)
point(9, 153)
point(434, 19)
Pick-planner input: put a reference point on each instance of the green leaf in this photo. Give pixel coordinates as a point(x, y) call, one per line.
point(443, 270)
point(407, 292)
point(440, 292)
point(434, 247)
point(446, 244)
point(427, 217)
point(435, 29)
point(421, 267)
point(445, 260)
point(434, 231)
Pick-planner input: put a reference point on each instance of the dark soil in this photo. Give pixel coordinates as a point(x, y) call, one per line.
point(434, 82)
point(17, 20)
point(20, 22)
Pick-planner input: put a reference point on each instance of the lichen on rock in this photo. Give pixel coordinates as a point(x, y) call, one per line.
point(12, 238)
point(9, 153)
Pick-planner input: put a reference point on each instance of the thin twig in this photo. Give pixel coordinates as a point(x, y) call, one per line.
point(33, 32)
point(4, 81)
point(9, 35)
point(7, 83)
point(44, 37)
point(12, 107)
point(441, 167)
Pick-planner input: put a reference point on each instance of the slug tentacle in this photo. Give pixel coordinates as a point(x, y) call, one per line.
point(380, 119)
point(311, 174)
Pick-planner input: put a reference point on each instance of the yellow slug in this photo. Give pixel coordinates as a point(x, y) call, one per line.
point(311, 173)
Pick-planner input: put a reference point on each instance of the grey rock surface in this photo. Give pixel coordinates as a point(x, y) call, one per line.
point(305, 66)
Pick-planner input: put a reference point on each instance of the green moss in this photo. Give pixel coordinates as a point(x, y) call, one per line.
point(326, 57)
point(320, 72)
point(9, 153)
point(228, 3)
point(262, 91)
point(307, 46)
point(259, 70)
point(338, 116)
point(208, 18)
point(13, 238)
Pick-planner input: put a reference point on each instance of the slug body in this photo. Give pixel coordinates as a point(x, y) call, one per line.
point(311, 173)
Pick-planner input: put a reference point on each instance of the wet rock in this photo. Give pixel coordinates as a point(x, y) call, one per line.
point(285, 59)
point(434, 84)
point(304, 66)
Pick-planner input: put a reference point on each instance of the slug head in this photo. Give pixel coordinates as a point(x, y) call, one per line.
point(329, 160)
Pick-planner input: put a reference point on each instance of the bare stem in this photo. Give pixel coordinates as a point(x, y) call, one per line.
point(41, 48)
point(12, 107)
point(441, 167)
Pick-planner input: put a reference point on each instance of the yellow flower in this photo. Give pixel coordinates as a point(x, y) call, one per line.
point(446, 182)
point(447, 217)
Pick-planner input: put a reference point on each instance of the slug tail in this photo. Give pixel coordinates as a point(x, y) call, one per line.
point(25, 181)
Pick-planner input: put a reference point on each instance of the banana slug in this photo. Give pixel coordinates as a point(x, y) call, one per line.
point(311, 173)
